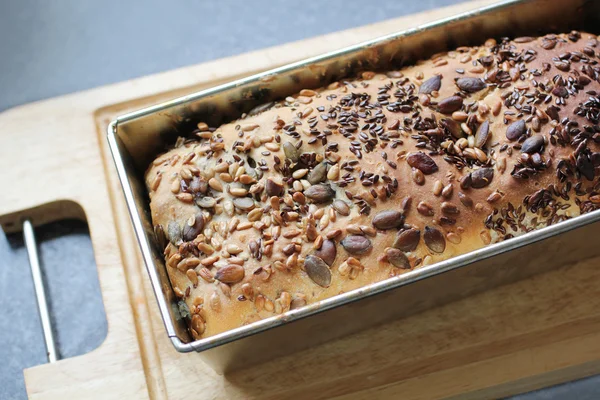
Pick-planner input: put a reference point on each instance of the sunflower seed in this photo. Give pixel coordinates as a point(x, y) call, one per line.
point(192, 276)
point(300, 173)
point(185, 197)
point(449, 208)
point(417, 176)
point(198, 324)
point(424, 208)
point(447, 191)
point(486, 238)
point(333, 173)
point(238, 192)
point(188, 263)
point(465, 200)
point(298, 301)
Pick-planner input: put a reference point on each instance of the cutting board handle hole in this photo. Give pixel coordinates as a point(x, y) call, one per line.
point(70, 278)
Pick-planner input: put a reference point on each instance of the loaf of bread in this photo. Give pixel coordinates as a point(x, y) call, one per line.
point(340, 187)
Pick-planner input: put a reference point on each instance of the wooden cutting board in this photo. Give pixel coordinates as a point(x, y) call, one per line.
point(55, 164)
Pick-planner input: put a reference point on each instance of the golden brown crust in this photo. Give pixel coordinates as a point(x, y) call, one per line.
point(357, 174)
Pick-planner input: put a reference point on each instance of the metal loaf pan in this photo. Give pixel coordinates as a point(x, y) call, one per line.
point(136, 139)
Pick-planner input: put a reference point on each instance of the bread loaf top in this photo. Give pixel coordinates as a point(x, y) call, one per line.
point(339, 187)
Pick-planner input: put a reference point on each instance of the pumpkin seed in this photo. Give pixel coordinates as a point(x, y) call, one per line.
point(174, 233)
point(231, 273)
point(483, 134)
point(198, 185)
point(388, 219)
point(160, 237)
point(434, 239)
point(341, 207)
point(356, 244)
point(206, 202)
point(407, 240)
point(317, 270)
point(317, 174)
point(452, 127)
point(191, 231)
point(273, 188)
point(515, 130)
point(470, 84)
point(397, 258)
point(481, 177)
point(327, 252)
point(244, 203)
point(533, 144)
point(450, 104)
point(422, 162)
point(320, 193)
point(291, 151)
point(432, 84)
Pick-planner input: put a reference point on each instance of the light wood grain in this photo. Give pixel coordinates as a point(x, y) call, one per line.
point(56, 163)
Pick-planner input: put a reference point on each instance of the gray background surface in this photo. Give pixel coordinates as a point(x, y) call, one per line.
point(49, 48)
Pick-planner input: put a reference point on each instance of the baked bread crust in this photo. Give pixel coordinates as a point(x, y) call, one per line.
point(340, 187)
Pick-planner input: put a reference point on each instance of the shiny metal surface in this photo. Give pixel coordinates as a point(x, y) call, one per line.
point(137, 138)
point(40, 291)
